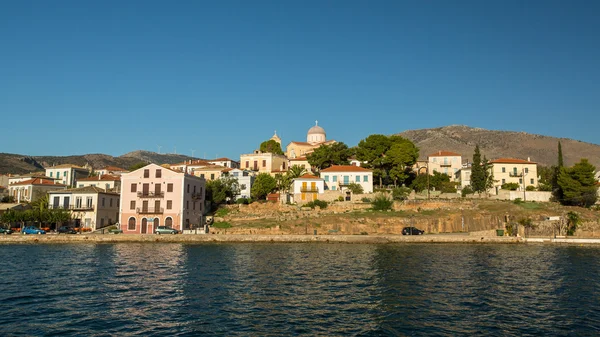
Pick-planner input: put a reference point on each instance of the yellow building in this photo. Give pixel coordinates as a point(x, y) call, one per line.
point(315, 137)
point(264, 162)
point(510, 170)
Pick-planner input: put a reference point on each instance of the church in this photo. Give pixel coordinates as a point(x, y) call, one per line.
point(315, 137)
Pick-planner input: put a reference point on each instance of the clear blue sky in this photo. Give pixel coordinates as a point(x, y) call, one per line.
point(219, 77)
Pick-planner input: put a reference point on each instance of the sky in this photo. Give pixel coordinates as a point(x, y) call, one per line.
point(216, 78)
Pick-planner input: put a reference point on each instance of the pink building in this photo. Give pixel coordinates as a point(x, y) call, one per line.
point(155, 196)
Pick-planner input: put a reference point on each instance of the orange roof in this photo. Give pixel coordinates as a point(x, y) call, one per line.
point(308, 176)
point(106, 177)
point(445, 154)
point(37, 181)
point(346, 168)
point(511, 161)
point(299, 159)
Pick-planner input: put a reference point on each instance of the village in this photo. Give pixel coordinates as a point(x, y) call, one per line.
point(174, 196)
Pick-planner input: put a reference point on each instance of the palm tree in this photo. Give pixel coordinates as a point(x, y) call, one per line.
point(296, 171)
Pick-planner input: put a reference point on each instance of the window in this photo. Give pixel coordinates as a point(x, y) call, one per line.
point(88, 202)
point(170, 187)
point(102, 222)
point(504, 170)
point(158, 173)
point(201, 175)
point(334, 179)
point(169, 204)
point(366, 178)
point(193, 205)
point(157, 190)
point(78, 202)
point(531, 181)
point(357, 179)
point(133, 188)
point(103, 200)
point(194, 189)
point(188, 188)
point(50, 174)
point(146, 173)
point(187, 205)
point(264, 163)
point(284, 166)
point(132, 204)
point(247, 164)
point(434, 159)
point(80, 185)
point(110, 202)
point(520, 180)
point(131, 224)
point(526, 170)
point(236, 174)
point(57, 174)
point(107, 186)
point(326, 178)
point(169, 222)
point(65, 173)
point(212, 176)
point(503, 181)
point(333, 188)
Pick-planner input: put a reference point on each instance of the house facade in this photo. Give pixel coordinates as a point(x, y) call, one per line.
point(210, 172)
point(91, 207)
point(445, 162)
point(107, 182)
point(338, 177)
point(245, 181)
point(155, 196)
point(307, 188)
point(263, 162)
point(111, 170)
point(511, 170)
point(225, 162)
point(67, 173)
point(32, 189)
point(302, 162)
point(189, 166)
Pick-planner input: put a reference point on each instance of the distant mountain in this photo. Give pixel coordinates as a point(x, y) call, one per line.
point(20, 164)
point(501, 144)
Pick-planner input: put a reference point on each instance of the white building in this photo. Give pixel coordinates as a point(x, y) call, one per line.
point(91, 207)
point(245, 181)
point(32, 189)
point(338, 177)
point(445, 162)
point(67, 173)
point(107, 182)
point(226, 162)
point(307, 188)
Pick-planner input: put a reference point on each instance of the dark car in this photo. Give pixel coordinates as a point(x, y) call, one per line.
point(66, 230)
point(5, 231)
point(412, 231)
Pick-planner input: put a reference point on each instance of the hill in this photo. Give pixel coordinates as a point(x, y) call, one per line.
point(501, 144)
point(20, 164)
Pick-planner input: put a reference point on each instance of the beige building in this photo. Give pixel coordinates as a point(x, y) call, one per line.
point(189, 166)
point(307, 188)
point(302, 162)
point(210, 172)
point(510, 170)
point(444, 162)
point(339, 177)
point(91, 207)
point(264, 162)
point(113, 170)
point(107, 182)
point(225, 162)
point(315, 137)
point(32, 189)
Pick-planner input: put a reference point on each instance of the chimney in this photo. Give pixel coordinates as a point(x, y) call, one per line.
point(440, 152)
point(528, 159)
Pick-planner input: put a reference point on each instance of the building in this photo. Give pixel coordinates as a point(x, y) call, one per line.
point(510, 170)
point(19, 178)
point(91, 207)
point(108, 182)
point(210, 172)
point(32, 189)
point(264, 162)
point(445, 162)
point(463, 176)
point(112, 170)
point(338, 177)
point(153, 196)
point(67, 173)
point(315, 137)
point(225, 162)
point(189, 166)
point(307, 188)
point(245, 181)
point(302, 162)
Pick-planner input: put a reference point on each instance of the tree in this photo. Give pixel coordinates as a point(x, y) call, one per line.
point(263, 185)
point(578, 184)
point(296, 171)
point(419, 183)
point(270, 146)
point(478, 175)
point(326, 155)
point(356, 188)
point(546, 175)
point(8, 199)
point(389, 157)
point(283, 181)
point(137, 166)
point(220, 190)
point(557, 191)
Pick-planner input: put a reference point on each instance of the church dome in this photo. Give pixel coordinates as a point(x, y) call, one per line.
point(316, 134)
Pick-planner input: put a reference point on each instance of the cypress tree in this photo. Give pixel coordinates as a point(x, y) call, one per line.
point(478, 176)
point(557, 191)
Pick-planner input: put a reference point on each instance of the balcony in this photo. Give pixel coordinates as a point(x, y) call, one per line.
point(150, 210)
point(515, 174)
point(150, 194)
point(196, 196)
point(445, 165)
point(309, 190)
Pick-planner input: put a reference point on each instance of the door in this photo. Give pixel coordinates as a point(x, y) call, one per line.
point(313, 190)
point(144, 225)
point(157, 190)
point(145, 189)
point(145, 206)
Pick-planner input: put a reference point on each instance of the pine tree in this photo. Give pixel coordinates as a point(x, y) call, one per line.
point(557, 190)
point(478, 176)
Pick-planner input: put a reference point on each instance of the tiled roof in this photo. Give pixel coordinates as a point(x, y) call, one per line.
point(37, 181)
point(511, 161)
point(221, 159)
point(192, 162)
point(346, 168)
point(299, 159)
point(309, 176)
point(445, 154)
point(87, 189)
point(106, 177)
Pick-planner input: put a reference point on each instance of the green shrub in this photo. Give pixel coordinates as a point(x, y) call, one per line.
point(244, 201)
point(510, 186)
point(356, 188)
point(466, 191)
point(365, 199)
point(530, 188)
point(340, 198)
point(314, 203)
point(221, 212)
point(573, 221)
point(223, 224)
point(518, 201)
point(401, 193)
point(382, 202)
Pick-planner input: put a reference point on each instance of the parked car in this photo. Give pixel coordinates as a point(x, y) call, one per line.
point(5, 231)
point(412, 231)
point(165, 230)
point(66, 230)
point(32, 230)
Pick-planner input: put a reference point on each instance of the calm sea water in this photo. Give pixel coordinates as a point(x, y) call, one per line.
point(298, 289)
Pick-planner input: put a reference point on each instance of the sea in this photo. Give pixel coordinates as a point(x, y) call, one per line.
point(299, 289)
